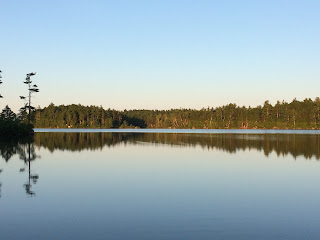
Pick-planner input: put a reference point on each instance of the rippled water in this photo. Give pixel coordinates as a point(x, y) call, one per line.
point(138, 185)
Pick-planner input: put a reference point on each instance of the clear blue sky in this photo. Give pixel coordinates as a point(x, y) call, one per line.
point(160, 54)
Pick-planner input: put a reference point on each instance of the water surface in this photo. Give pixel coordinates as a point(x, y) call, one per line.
point(137, 185)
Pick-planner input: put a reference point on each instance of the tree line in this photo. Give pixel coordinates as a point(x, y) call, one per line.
point(282, 115)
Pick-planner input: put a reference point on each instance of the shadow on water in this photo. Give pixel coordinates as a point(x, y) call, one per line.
point(296, 145)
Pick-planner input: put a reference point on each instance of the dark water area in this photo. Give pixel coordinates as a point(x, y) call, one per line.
point(151, 185)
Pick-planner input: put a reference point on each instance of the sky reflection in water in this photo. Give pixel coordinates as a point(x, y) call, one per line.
point(161, 186)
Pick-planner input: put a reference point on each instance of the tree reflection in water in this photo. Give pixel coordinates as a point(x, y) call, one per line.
point(307, 146)
point(31, 155)
point(24, 147)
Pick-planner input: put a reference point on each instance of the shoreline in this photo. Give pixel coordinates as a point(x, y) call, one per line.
point(153, 130)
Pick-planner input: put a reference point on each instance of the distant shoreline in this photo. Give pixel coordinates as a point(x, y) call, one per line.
point(282, 115)
point(202, 131)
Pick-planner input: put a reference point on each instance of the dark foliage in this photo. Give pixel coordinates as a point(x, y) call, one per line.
point(9, 129)
point(11, 126)
point(295, 115)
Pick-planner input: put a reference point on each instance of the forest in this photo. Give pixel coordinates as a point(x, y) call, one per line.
point(282, 115)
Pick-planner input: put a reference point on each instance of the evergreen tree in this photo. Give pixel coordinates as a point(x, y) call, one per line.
point(7, 114)
point(31, 89)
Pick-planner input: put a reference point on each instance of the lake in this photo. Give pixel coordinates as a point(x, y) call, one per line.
point(161, 184)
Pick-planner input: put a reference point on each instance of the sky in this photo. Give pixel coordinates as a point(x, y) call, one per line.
point(160, 54)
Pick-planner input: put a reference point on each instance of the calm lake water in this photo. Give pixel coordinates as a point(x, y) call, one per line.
point(146, 185)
